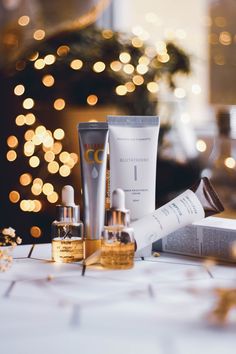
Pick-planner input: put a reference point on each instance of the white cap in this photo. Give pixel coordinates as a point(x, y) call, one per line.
point(118, 199)
point(67, 196)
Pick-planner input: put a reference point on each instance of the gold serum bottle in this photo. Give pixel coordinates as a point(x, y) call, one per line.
point(67, 230)
point(118, 245)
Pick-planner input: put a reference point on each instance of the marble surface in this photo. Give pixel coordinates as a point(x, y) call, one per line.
point(160, 306)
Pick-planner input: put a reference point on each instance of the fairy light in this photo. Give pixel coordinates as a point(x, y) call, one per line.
point(130, 86)
point(23, 20)
point(14, 196)
point(142, 69)
point(39, 34)
point(230, 162)
point(160, 47)
point(34, 161)
point(152, 87)
point(225, 38)
point(121, 90)
point(39, 64)
point(70, 163)
point(76, 64)
point(125, 57)
point(53, 167)
point(92, 100)
point(163, 58)
point(179, 92)
point(28, 103)
point(36, 189)
point(219, 59)
point(201, 145)
point(64, 156)
point(220, 21)
point(138, 80)
point(49, 59)
point(57, 147)
point(20, 65)
point(48, 188)
point(137, 42)
point(137, 30)
point(12, 141)
point(30, 119)
point(29, 148)
point(59, 104)
point(20, 120)
point(48, 141)
point(128, 69)
point(25, 205)
point(64, 171)
point(48, 80)
point(213, 38)
point(35, 231)
point(37, 139)
point(144, 60)
point(116, 65)
point(37, 206)
point(63, 50)
point(29, 134)
point(59, 134)
point(11, 155)
point(40, 130)
point(49, 156)
point(107, 33)
point(33, 56)
point(99, 67)
point(53, 198)
point(25, 179)
point(19, 90)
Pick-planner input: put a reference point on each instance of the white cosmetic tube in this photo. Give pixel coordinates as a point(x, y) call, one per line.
point(133, 155)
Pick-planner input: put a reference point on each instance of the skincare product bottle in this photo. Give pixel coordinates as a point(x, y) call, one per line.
point(118, 245)
point(67, 230)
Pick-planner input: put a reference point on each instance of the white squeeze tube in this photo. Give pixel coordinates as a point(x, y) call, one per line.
point(193, 205)
point(133, 142)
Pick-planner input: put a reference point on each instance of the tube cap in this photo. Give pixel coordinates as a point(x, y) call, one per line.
point(117, 214)
point(68, 211)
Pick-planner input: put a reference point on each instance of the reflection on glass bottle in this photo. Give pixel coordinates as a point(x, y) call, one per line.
point(223, 173)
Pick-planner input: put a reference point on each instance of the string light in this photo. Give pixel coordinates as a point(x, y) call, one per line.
point(57, 147)
point(19, 90)
point(125, 57)
point(75, 157)
point(99, 67)
point(220, 21)
point(64, 156)
point(34, 161)
point(23, 20)
point(29, 148)
point(76, 64)
point(137, 42)
point(28, 103)
point(20, 120)
point(163, 58)
point(130, 86)
point(107, 34)
point(138, 80)
point(25, 179)
point(37, 206)
point(63, 50)
point(39, 34)
point(116, 65)
point(230, 162)
point(152, 87)
point(142, 69)
point(14, 196)
point(225, 38)
point(11, 155)
point(35, 231)
point(20, 65)
point(121, 90)
point(48, 188)
point(49, 59)
point(201, 145)
point(59, 134)
point(39, 64)
point(92, 100)
point(64, 171)
point(128, 69)
point(30, 119)
point(52, 198)
point(49, 156)
point(48, 80)
point(33, 56)
point(144, 60)
point(59, 104)
point(53, 167)
point(29, 134)
point(36, 189)
point(12, 141)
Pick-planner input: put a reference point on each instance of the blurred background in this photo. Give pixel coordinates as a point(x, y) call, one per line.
point(63, 62)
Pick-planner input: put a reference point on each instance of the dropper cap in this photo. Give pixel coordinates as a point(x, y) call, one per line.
point(117, 214)
point(68, 211)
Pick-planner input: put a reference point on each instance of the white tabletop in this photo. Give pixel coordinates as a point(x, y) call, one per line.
point(160, 306)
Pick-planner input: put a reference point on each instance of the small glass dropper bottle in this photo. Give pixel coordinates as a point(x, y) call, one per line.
point(67, 230)
point(118, 245)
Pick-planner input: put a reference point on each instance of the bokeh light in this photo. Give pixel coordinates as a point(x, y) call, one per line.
point(76, 64)
point(92, 100)
point(59, 104)
point(12, 141)
point(14, 196)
